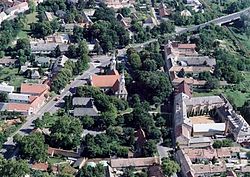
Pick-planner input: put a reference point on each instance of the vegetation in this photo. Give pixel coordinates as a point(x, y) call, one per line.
point(32, 147)
point(89, 171)
point(224, 143)
point(66, 133)
point(15, 168)
point(170, 167)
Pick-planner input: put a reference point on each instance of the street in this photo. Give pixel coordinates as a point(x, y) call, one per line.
point(50, 106)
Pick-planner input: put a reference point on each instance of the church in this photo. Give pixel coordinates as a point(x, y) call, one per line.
point(112, 82)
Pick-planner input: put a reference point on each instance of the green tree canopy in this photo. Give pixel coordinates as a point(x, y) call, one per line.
point(33, 147)
point(66, 133)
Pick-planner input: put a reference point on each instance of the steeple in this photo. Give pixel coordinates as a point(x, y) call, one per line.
point(122, 92)
point(113, 63)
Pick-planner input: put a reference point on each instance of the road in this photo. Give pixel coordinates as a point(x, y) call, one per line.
point(51, 106)
point(217, 21)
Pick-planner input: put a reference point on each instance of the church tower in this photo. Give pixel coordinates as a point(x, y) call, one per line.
point(122, 92)
point(113, 63)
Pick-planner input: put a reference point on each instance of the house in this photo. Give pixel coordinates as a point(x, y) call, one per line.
point(35, 74)
point(44, 61)
point(125, 22)
point(186, 13)
point(18, 8)
point(137, 163)
point(47, 48)
point(150, 22)
point(18, 98)
point(44, 167)
point(49, 16)
point(163, 11)
point(6, 88)
point(61, 152)
point(58, 38)
point(80, 162)
point(34, 89)
point(3, 16)
point(8, 61)
point(112, 82)
point(30, 100)
point(192, 161)
point(84, 106)
point(182, 59)
point(117, 4)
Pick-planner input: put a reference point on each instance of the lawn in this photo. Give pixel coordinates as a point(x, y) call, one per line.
point(10, 75)
point(30, 18)
point(55, 160)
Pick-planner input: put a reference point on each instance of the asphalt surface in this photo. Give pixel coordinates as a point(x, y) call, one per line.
point(217, 21)
point(51, 106)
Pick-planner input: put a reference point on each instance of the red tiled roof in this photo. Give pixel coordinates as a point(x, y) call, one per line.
point(34, 88)
point(18, 107)
point(43, 167)
point(183, 87)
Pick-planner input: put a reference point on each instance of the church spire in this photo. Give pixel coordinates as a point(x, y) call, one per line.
point(113, 63)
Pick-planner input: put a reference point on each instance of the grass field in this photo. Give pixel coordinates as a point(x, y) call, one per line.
point(11, 76)
point(30, 18)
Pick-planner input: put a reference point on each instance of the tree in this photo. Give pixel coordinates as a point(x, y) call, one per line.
point(66, 133)
point(212, 84)
point(13, 168)
point(83, 48)
point(149, 65)
point(149, 148)
point(245, 111)
point(170, 167)
point(33, 147)
point(3, 96)
point(135, 61)
point(89, 171)
point(32, 6)
point(181, 73)
point(87, 122)
point(57, 52)
point(125, 11)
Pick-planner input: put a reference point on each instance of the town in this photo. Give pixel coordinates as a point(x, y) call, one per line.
point(107, 88)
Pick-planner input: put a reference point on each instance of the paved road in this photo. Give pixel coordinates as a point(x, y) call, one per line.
point(218, 21)
point(28, 126)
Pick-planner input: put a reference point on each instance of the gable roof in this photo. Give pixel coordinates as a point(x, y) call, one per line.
point(79, 112)
point(134, 162)
point(183, 87)
point(104, 81)
point(33, 88)
point(18, 107)
point(81, 101)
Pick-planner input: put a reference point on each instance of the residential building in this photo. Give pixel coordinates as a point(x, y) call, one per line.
point(8, 61)
point(182, 58)
point(192, 161)
point(84, 106)
point(137, 163)
point(47, 48)
point(6, 88)
point(112, 82)
point(44, 61)
point(58, 39)
point(34, 89)
point(163, 11)
point(18, 98)
point(18, 8)
point(3, 16)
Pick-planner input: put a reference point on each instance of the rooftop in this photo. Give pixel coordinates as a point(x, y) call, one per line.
point(33, 88)
point(134, 162)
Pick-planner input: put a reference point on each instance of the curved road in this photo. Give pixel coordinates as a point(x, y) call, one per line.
point(218, 21)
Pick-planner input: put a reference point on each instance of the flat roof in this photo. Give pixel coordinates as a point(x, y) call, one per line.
point(212, 127)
